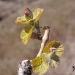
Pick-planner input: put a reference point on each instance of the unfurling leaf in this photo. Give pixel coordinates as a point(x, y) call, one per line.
point(28, 12)
point(22, 20)
point(52, 59)
point(50, 45)
point(46, 57)
point(39, 65)
point(60, 50)
point(26, 34)
point(54, 64)
point(28, 16)
point(37, 14)
point(55, 47)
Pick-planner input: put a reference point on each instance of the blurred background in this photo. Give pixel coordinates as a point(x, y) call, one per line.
point(58, 14)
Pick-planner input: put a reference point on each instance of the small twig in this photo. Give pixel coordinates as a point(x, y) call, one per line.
point(45, 38)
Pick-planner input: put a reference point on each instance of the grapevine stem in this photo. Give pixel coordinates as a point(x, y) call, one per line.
point(45, 38)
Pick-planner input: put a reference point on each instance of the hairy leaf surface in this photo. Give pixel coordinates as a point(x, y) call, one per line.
point(22, 20)
point(26, 34)
point(37, 14)
point(55, 46)
point(52, 59)
point(39, 65)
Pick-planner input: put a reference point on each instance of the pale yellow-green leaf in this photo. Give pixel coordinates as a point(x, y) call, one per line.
point(39, 65)
point(52, 59)
point(59, 49)
point(54, 64)
point(49, 45)
point(46, 57)
point(26, 34)
point(22, 20)
point(37, 14)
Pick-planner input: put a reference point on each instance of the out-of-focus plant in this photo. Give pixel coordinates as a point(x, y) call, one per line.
point(48, 55)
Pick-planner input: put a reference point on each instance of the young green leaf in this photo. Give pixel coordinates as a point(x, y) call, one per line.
point(52, 59)
point(28, 16)
point(26, 34)
point(37, 14)
point(54, 64)
point(39, 65)
point(49, 45)
point(54, 46)
point(22, 20)
point(46, 57)
point(60, 50)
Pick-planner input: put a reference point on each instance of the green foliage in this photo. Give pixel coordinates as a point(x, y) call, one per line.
point(51, 52)
point(39, 65)
point(30, 19)
point(50, 56)
point(22, 20)
point(55, 46)
point(26, 34)
point(37, 14)
point(52, 59)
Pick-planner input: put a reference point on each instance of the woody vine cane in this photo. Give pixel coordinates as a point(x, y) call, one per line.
point(49, 53)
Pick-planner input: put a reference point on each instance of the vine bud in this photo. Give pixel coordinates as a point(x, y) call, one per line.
point(28, 13)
